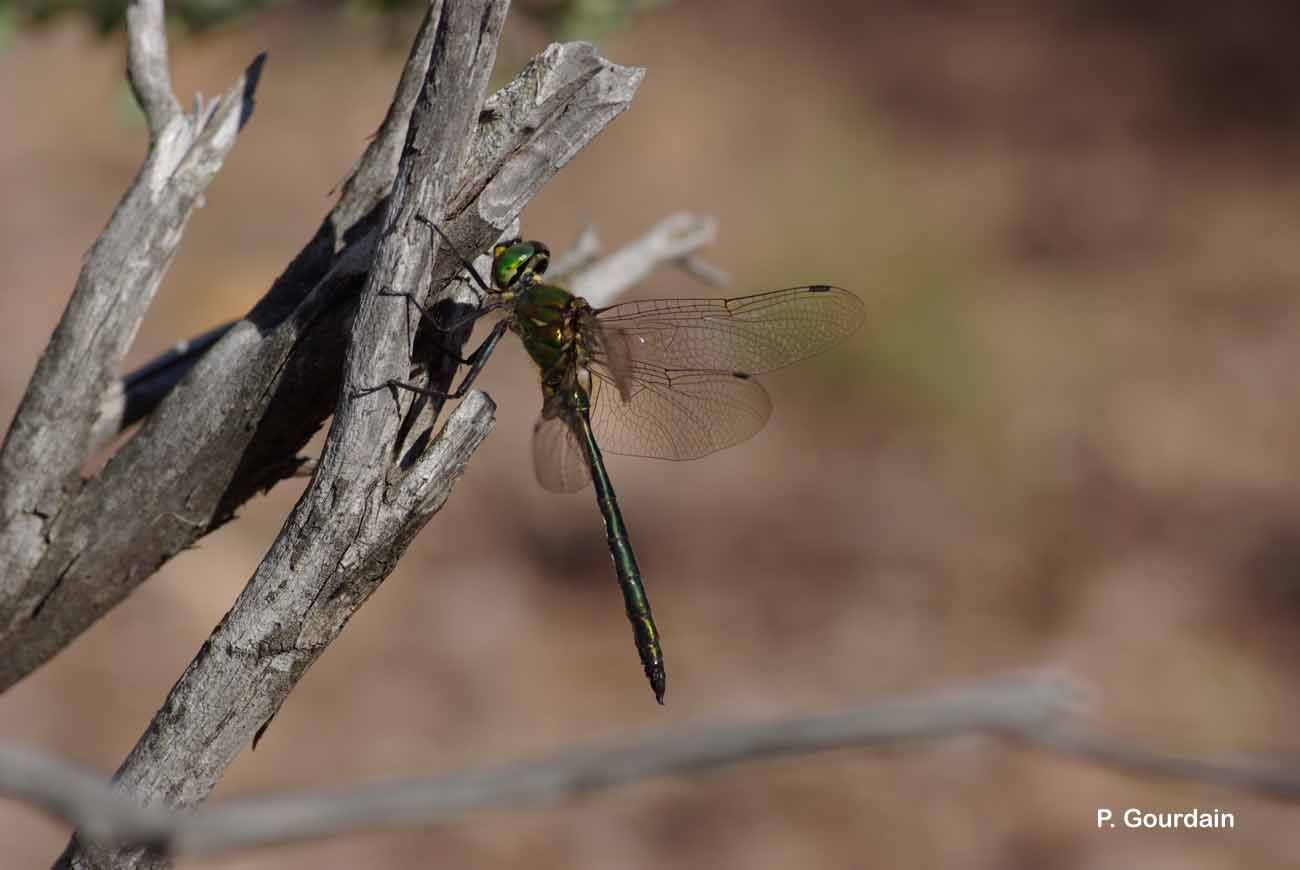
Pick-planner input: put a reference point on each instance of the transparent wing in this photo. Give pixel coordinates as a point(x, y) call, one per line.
point(673, 377)
point(612, 350)
point(683, 416)
point(557, 456)
point(751, 334)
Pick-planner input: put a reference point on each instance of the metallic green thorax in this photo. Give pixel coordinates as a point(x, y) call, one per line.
point(547, 321)
point(551, 323)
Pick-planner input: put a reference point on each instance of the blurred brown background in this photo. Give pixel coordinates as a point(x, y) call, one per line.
point(1067, 435)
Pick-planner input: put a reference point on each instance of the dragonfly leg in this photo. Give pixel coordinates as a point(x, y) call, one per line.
point(449, 326)
point(458, 322)
point(475, 361)
point(469, 267)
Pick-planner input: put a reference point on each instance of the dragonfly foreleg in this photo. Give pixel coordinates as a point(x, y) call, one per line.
point(469, 267)
point(475, 361)
point(440, 326)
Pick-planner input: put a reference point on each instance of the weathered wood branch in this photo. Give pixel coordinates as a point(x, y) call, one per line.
point(50, 436)
point(147, 68)
point(675, 240)
point(363, 505)
point(1010, 706)
point(234, 424)
point(366, 501)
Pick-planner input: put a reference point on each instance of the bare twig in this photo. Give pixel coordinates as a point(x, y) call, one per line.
point(146, 65)
point(586, 248)
point(1033, 710)
point(674, 238)
point(112, 818)
point(1274, 778)
point(49, 437)
point(704, 271)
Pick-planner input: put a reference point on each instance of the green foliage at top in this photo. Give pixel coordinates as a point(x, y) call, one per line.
point(564, 19)
point(587, 19)
point(107, 15)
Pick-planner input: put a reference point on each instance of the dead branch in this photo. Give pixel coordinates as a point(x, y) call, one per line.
point(104, 813)
point(233, 425)
point(49, 437)
point(675, 240)
point(672, 240)
point(366, 502)
point(1034, 710)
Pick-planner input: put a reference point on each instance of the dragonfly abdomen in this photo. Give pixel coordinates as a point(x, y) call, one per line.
point(667, 378)
point(644, 631)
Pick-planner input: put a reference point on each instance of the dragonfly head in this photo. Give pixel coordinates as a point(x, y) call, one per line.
point(517, 263)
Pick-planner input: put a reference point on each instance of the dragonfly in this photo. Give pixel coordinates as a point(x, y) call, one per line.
point(663, 378)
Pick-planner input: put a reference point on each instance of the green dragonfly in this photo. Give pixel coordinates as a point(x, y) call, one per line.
point(664, 378)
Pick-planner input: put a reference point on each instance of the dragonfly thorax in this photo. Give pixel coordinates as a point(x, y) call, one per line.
point(550, 322)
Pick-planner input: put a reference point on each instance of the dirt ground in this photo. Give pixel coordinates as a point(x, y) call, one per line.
point(1067, 436)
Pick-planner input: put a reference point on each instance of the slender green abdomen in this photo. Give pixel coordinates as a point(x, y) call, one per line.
point(620, 548)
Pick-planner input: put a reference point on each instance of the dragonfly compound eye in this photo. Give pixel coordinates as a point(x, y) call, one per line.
point(541, 258)
point(518, 262)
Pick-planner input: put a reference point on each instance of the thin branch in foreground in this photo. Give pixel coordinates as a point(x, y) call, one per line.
point(112, 818)
point(1278, 779)
point(1032, 710)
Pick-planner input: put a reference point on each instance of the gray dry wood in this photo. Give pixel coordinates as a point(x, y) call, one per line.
point(364, 504)
point(233, 427)
point(1018, 707)
point(1037, 710)
point(49, 437)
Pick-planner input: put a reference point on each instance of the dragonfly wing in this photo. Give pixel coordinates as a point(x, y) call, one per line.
point(683, 415)
point(613, 349)
point(749, 334)
point(557, 456)
point(673, 378)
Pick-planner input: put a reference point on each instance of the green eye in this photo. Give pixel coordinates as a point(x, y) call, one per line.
point(517, 262)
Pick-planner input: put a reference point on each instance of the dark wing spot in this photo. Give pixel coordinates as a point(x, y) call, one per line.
point(744, 376)
point(820, 288)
